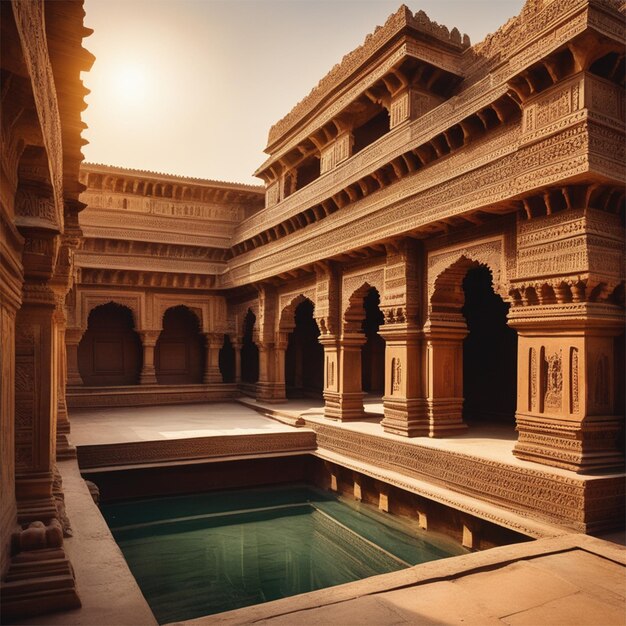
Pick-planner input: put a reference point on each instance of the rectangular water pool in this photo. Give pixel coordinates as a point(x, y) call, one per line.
point(213, 552)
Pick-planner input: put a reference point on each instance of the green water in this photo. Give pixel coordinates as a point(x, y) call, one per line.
point(213, 552)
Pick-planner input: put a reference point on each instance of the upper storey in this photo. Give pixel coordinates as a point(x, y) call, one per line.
point(146, 206)
point(146, 229)
point(402, 70)
point(415, 94)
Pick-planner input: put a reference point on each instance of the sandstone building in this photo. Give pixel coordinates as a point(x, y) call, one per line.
point(440, 225)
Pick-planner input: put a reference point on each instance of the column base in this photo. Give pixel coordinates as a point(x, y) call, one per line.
point(74, 379)
point(445, 417)
point(344, 407)
point(33, 494)
point(587, 446)
point(212, 377)
point(406, 417)
point(65, 450)
point(148, 378)
point(271, 392)
point(38, 582)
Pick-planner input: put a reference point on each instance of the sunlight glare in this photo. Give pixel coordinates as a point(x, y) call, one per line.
point(132, 84)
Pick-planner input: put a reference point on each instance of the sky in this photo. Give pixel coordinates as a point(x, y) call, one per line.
point(191, 87)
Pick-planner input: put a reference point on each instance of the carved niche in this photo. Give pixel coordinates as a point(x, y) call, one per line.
point(553, 381)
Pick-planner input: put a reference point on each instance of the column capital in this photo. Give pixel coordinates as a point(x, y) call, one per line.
point(599, 317)
point(73, 335)
point(329, 339)
point(149, 337)
point(406, 331)
point(214, 339)
point(352, 339)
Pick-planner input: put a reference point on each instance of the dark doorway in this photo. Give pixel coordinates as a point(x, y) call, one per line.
point(110, 351)
point(489, 353)
point(373, 351)
point(249, 351)
point(180, 350)
point(304, 358)
point(227, 361)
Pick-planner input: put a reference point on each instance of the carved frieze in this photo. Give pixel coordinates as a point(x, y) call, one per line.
point(575, 242)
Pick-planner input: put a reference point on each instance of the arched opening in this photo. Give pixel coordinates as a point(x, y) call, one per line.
point(179, 353)
point(227, 361)
point(489, 353)
point(249, 351)
point(110, 354)
point(374, 128)
point(304, 358)
point(373, 350)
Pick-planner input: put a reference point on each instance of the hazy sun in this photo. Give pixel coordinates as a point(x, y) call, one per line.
point(132, 83)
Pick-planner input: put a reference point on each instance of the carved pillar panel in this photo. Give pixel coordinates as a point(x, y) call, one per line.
point(330, 343)
point(409, 104)
point(444, 375)
point(336, 152)
point(404, 400)
point(148, 341)
point(342, 376)
point(35, 403)
point(566, 394)
point(214, 343)
point(72, 339)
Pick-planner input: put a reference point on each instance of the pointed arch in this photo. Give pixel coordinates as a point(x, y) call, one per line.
point(179, 353)
point(109, 353)
point(286, 320)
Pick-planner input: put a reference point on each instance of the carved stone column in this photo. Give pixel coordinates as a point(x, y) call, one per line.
point(444, 367)
point(214, 343)
point(404, 400)
point(567, 311)
point(65, 450)
point(8, 511)
point(148, 341)
point(271, 384)
point(72, 339)
point(343, 396)
point(35, 403)
point(566, 401)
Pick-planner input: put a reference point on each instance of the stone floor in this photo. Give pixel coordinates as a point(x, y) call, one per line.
point(122, 425)
point(108, 591)
point(118, 425)
point(487, 441)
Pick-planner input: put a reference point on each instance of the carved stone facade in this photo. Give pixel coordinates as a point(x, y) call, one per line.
point(42, 99)
point(401, 174)
point(418, 167)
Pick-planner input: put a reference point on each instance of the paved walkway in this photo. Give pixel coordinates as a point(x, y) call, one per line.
point(108, 591)
point(494, 442)
point(153, 423)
